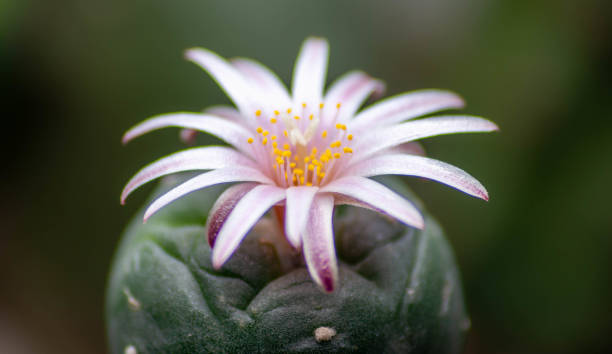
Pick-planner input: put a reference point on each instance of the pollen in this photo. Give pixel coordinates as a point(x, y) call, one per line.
point(311, 116)
point(340, 126)
point(258, 112)
point(259, 130)
point(265, 133)
point(296, 117)
point(250, 140)
point(273, 120)
point(288, 110)
point(324, 134)
point(335, 144)
point(264, 141)
point(348, 150)
point(338, 105)
point(321, 105)
point(276, 112)
point(303, 104)
point(273, 137)
point(350, 137)
point(337, 155)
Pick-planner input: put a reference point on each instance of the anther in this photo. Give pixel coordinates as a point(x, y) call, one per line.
point(296, 117)
point(273, 120)
point(321, 105)
point(348, 150)
point(259, 130)
point(324, 134)
point(264, 141)
point(276, 112)
point(250, 140)
point(338, 105)
point(265, 133)
point(258, 112)
point(350, 137)
point(337, 155)
point(303, 104)
point(288, 110)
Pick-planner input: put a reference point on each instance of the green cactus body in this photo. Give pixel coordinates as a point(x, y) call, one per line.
point(399, 289)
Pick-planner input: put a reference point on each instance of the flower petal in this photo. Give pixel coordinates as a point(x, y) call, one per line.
point(265, 81)
point(249, 209)
point(411, 165)
point(223, 207)
point(226, 112)
point(350, 90)
point(225, 175)
point(378, 196)
point(401, 133)
point(230, 132)
point(228, 78)
point(203, 158)
point(310, 71)
point(297, 209)
point(319, 250)
point(406, 106)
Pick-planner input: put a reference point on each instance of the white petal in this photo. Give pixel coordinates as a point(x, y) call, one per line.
point(350, 90)
point(230, 132)
point(319, 250)
point(226, 112)
point(265, 81)
point(297, 209)
point(203, 158)
point(378, 196)
point(223, 207)
point(402, 133)
point(310, 71)
point(246, 213)
point(228, 78)
point(225, 175)
point(406, 106)
point(411, 165)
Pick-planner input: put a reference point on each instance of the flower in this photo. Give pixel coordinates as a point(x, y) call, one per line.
point(305, 152)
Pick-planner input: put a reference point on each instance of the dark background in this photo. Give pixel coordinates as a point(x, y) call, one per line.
point(536, 260)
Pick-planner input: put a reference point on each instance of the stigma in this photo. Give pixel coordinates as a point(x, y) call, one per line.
point(301, 145)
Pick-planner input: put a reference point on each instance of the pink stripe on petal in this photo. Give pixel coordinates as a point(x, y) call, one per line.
point(228, 78)
point(406, 106)
point(297, 209)
point(394, 135)
point(204, 158)
point(265, 81)
point(223, 207)
point(251, 207)
point(351, 90)
point(319, 250)
point(230, 132)
point(310, 71)
point(225, 175)
point(410, 165)
point(378, 196)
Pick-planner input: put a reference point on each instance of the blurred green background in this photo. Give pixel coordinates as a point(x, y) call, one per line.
point(536, 260)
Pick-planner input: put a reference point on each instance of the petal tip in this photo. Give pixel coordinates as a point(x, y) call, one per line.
point(328, 284)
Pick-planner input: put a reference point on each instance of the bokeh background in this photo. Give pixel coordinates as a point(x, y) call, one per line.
point(536, 260)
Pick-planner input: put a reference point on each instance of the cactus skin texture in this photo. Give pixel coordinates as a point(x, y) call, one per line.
point(399, 289)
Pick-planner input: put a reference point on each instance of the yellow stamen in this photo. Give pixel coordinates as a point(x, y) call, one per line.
point(311, 116)
point(338, 105)
point(303, 104)
point(258, 112)
point(348, 150)
point(292, 165)
point(337, 155)
point(276, 112)
point(259, 130)
point(286, 153)
point(265, 133)
point(311, 167)
point(285, 133)
point(296, 117)
point(340, 126)
point(250, 140)
point(324, 134)
point(280, 160)
point(274, 143)
point(264, 141)
point(335, 144)
point(350, 137)
point(321, 105)
point(286, 146)
point(288, 110)
point(298, 171)
point(273, 120)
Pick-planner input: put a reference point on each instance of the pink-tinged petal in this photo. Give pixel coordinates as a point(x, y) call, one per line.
point(394, 135)
point(225, 175)
point(265, 81)
point(228, 78)
point(223, 207)
point(203, 158)
point(297, 209)
point(230, 132)
point(226, 112)
point(310, 71)
point(412, 148)
point(378, 196)
point(411, 165)
point(319, 251)
point(350, 90)
point(252, 206)
point(406, 106)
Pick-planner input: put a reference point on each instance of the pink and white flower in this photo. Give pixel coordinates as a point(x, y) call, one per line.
point(305, 152)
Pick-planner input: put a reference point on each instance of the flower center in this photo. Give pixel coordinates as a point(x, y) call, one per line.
point(301, 147)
